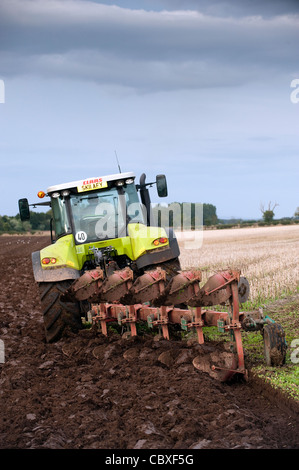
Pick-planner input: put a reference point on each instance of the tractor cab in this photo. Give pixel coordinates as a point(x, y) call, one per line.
point(101, 221)
point(96, 209)
point(100, 208)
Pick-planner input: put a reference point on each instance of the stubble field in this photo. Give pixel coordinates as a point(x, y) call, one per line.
point(267, 256)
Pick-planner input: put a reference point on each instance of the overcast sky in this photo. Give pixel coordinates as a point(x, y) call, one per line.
point(198, 90)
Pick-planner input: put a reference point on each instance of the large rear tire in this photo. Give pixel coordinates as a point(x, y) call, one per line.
point(58, 316)
point(172, 267)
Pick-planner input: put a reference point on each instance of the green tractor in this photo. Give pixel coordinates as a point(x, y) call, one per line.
point(99, 225)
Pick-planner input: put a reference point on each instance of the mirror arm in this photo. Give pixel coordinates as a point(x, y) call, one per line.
point(48, 203)
point(141, 186)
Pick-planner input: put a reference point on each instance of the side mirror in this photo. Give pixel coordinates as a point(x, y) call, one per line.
point(24, 209)
point(161, 185)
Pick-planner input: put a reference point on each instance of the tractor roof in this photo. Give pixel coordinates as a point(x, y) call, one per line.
point(87, 181)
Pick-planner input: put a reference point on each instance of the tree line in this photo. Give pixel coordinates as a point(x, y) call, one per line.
point(185, 215)
point(39, 221)
point(174, 215)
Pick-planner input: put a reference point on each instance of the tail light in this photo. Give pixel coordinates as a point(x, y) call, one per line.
point(49, 260)
point(160, 241)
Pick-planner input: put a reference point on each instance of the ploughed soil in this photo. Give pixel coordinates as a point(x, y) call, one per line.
point(91, 392)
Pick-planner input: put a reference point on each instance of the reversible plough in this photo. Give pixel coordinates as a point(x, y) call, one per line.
point(160, 303)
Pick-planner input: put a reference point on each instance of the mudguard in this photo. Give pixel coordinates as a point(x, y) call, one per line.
point(160, 256)
point(53, 275)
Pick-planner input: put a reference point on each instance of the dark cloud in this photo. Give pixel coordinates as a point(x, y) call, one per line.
point(236, 8)
point(146, 50)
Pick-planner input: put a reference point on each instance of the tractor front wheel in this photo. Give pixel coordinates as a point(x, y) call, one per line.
point(58, 315)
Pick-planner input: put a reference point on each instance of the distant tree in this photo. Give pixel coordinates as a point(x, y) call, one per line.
point(296, 212)
point(209, 214)
point(40, 220)
point(13, 224)
point(174, 215)
point(268, 214)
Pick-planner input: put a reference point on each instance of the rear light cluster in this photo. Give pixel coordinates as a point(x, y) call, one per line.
point(49, 260)
point(160, 241)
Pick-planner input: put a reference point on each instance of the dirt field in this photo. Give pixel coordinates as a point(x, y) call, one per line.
point(89, 392)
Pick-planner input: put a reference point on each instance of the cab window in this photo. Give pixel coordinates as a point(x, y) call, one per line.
point(60, 217)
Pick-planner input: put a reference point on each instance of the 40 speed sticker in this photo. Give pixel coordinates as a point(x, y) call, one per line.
point(81, 237)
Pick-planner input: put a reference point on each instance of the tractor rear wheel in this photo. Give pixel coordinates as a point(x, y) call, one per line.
point(172, 267)
point(58, 315)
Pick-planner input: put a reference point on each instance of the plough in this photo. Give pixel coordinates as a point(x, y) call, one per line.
point(180, 301)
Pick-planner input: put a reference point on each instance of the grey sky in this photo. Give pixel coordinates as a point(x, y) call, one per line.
point(199, 90)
